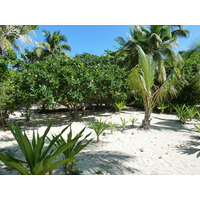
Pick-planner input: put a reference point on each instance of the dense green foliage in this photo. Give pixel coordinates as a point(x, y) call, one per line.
point(48, 76)
point(190, 94)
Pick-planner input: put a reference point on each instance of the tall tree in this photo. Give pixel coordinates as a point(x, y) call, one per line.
point(9, 34)
point(53, 45)
point(157, 41)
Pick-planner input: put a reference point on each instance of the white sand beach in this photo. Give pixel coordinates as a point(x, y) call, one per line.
point(168, 148)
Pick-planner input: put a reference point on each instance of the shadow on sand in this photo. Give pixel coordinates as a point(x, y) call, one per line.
point(106, 162)
point(109, 162)
point(192, 146)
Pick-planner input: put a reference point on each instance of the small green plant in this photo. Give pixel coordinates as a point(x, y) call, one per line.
point(198, 115)
point(123, 122)
point(78, 145)
point(133, 120)
point(182, 112)
point(71, 169)
point(185, 112)
point(99, 127)
point(197, 127)
point(120, 105)
point(112, 126)
point(170, 107)
point(162, 107)
point(191, 112)
point(39, 160)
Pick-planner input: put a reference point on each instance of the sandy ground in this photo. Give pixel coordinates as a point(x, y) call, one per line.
point(168, 148)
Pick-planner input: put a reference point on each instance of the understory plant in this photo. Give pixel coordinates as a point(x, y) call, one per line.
point(133, 120)
point(185, 113)
point(99, 127)
point(79, 143)
point(123, 122)
point(120, 105)
point(112, 126)
point(198, 115)
point(162, 106)
point(40, 160)
point(191, 112)
point(197, 127)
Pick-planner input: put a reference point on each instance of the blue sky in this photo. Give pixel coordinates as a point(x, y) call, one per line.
point(94, 39)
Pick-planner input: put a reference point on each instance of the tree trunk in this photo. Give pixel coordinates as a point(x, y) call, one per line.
point(51, 172)
point(98, 138)
point(28, 113)
point(146, 121)
point(43, 107)
point(2, 121)
point(73, 110)
point(83, 109)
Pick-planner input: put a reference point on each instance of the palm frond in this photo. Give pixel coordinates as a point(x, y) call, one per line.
point(171, 87)
point(66, 47)
point(180, 32)
point(120, 40)
point(147, 66)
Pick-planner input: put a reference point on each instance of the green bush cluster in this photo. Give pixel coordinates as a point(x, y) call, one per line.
point(185, 113)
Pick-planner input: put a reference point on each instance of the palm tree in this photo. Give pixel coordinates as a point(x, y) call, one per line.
point(157, 41)
point(141, 79)
point(195, 49)
point(9, 34)
point(53, 45)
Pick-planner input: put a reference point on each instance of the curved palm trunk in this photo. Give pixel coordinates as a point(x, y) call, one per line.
point(146, 121)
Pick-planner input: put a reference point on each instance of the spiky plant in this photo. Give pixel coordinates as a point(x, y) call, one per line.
point(39, 159)
point(99, 127)
point(162, 106)
point(120, 105)
point(123, 122)
point(133, 120)
point(79, 144)
point(112, 126)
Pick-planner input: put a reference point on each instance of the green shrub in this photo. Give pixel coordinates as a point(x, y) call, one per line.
point(39, 160)
point(78, 145)
point(185, 112)
point(191, 112)
point(99, 127)
point(182, 113)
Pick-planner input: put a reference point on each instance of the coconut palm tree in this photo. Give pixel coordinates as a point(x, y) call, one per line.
point(158, 41)
point(195, 49)
point(141, 80)
point(53, 45)
point(9, 34)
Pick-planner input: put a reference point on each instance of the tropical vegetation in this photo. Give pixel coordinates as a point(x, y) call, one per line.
point(145, 72)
